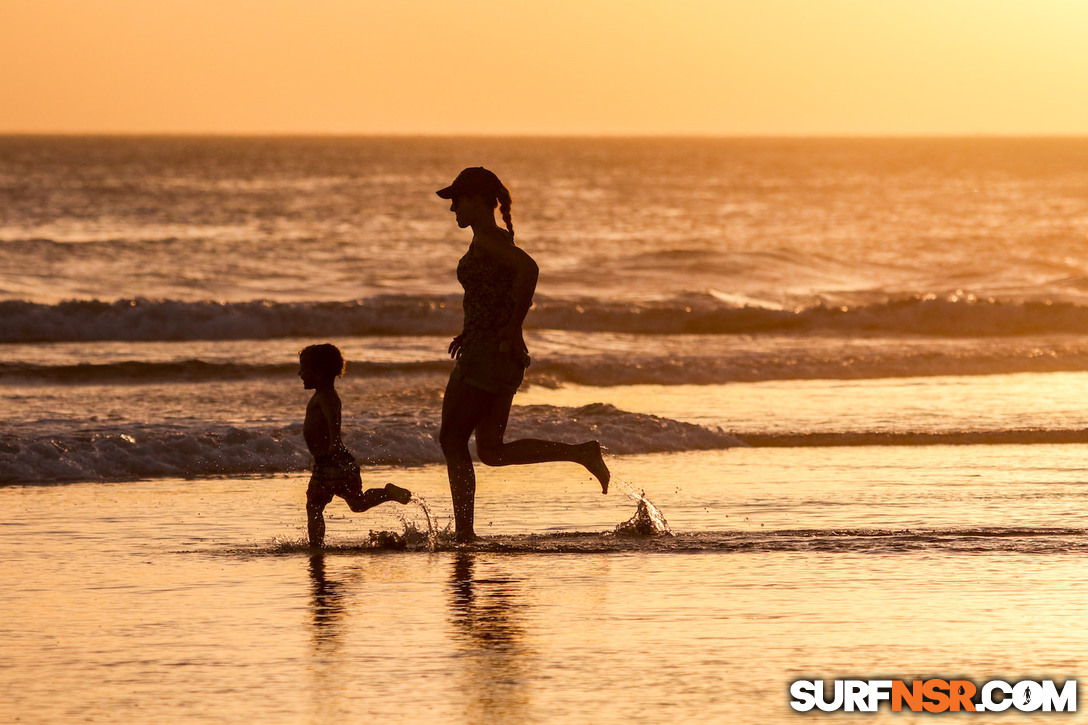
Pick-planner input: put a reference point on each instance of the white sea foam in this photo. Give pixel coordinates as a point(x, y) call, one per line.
point(206, 448)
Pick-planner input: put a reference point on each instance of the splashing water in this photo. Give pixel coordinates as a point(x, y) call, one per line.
point(412, 537)
point(432, 529)
point(648, 519)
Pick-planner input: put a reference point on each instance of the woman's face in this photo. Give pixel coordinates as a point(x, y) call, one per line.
point(468, 209)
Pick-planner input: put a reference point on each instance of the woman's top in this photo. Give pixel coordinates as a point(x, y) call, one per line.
point(489, 296)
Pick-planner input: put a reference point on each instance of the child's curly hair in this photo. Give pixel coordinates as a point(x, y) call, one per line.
point(325, 360)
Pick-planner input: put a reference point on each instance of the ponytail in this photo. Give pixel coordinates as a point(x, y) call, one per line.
point(504, 207)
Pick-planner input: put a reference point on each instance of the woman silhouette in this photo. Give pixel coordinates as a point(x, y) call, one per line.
point(499, 279)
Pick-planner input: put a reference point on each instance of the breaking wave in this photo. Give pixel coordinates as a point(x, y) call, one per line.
point(211, 449)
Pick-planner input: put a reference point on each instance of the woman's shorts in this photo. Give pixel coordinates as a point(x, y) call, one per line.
point(483, 366)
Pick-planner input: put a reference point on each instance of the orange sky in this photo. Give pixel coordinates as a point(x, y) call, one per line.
point(545, 66)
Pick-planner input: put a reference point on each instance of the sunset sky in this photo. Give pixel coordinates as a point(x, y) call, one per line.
point(545, 66)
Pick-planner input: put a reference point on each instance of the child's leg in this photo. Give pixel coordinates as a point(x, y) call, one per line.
point(316, 501)
point(315, 524)
point(398, 494)
point(359, 502)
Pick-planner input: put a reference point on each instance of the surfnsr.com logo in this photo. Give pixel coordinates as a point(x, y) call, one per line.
point(933, 695)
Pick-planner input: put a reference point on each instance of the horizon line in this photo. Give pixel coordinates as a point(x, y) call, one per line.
point(539, 135)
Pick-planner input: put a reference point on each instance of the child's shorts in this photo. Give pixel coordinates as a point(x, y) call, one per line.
point(334, 474)
point(483, 366)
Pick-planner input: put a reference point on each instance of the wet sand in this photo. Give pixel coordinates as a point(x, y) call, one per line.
point(195, 601)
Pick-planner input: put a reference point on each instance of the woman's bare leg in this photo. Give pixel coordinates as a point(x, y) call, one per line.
point(463, 406)
point(466, 409)
point(493, 451)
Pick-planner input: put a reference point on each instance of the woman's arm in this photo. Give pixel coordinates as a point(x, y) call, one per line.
point(457, 344)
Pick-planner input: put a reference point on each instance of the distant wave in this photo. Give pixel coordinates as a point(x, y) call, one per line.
point(747, 366)
point(711, 313)
point(193, 451)
point(136, 371)
point(618, 368)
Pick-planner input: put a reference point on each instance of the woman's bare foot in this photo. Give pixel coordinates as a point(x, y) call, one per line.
point(398, 494)
point(594, 461)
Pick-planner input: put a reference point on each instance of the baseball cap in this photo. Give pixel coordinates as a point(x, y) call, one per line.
point(473, 180)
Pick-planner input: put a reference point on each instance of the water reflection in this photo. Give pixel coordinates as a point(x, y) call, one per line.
point(330, 692)
point(488, 617)
point(327, 606)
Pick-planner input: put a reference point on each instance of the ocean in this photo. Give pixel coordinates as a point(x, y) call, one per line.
point(844, 375)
